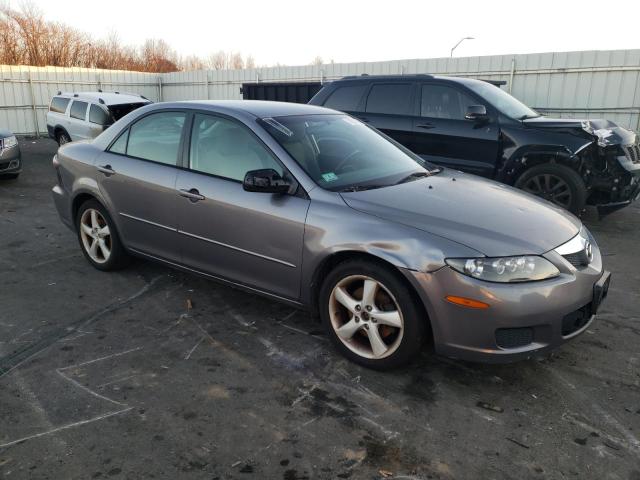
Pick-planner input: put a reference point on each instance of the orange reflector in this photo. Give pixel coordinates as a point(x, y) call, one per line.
point(466, 302)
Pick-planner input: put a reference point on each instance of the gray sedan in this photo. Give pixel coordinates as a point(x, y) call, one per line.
point(314, 208)
point(10, 157)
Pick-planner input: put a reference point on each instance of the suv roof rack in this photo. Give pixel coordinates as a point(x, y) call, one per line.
point(399, 75)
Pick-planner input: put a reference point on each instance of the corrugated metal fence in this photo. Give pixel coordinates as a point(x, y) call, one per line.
point(567, 84)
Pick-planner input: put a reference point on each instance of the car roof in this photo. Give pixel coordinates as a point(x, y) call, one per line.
point(258, 108)
point(416, 76)
point(108, 98)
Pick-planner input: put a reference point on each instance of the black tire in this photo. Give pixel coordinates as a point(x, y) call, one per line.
point(556, 183)
point(9, 176)
point(413, 316)
point(62, 137)
point(118, 257)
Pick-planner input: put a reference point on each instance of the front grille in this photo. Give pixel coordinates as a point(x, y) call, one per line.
point(514, 337)
point(574, 321)
point(632, 152)
point(578, 259)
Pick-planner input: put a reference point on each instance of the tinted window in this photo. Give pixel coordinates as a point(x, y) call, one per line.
point(78, 110)
point(224, 148)
point(98, 115)
point(120, 145)
point(345, 98)
point(157, 137)
point(440, 101)
point(393, 98)
point(59, 104)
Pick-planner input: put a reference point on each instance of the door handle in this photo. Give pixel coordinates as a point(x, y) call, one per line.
point(106, 169)
point(193, 195)
point(426, 126)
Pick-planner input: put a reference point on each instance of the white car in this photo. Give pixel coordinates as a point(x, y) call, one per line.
point(85, 115)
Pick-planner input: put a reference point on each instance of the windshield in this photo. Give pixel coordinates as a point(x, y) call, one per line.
point(501, 100)
point(340, 153)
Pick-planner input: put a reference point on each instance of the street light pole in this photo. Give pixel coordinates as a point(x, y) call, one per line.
point(461, 40)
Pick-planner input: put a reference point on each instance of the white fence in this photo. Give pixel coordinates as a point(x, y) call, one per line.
point(567, 84)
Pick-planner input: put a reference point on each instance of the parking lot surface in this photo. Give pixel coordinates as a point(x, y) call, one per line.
point(154, 373)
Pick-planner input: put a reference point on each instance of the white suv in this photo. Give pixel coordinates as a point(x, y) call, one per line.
point(84, 115)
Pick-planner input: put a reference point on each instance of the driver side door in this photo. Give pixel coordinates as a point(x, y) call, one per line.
point(254, 239)
point(442, 134)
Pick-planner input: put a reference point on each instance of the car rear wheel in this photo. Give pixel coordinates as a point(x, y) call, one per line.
point(556, 183)
point(371, 315)
point(99, 238)
point(62, 138)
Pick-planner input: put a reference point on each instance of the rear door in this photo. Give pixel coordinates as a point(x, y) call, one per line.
point(389, 107)
point(77, 126)
point(250, 238)
point(137, 176)
point(442, 135)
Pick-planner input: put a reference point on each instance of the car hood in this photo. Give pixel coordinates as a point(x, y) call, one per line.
point(604, 132)
point(489, 217)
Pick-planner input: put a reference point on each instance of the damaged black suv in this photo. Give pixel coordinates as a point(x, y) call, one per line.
point(474, 126)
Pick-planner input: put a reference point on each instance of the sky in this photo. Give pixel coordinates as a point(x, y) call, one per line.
point(295, 32)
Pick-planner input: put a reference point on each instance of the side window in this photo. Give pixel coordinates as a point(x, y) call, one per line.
point(78, 110)
point(440, 101)
point(98, 115)
point(390, 98)
point(157, 137)
point(226, 149)
point(59, 104)
point(120, 145)
point(346, 99)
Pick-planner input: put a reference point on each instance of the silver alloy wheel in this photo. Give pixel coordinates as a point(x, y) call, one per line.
point(95, 235)
point(63, 139)
point(366, 317)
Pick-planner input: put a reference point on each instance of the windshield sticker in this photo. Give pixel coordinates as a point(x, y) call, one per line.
point(329, 177)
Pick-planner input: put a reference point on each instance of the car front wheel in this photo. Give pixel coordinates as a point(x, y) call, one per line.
point(556, 183)
point(371, 315)
point(99, 238)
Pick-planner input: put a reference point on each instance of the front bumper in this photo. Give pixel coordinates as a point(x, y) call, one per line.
point(10, 161)
point(524, 320)
point(619, 186)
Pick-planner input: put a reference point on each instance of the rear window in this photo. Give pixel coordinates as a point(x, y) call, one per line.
point(345, 99)
point(78, 109)
point(59, 104)
point(98, 115)
point(390, 98)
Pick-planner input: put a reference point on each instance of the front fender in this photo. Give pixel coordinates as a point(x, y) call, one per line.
point(519, 144)
point(338, 230)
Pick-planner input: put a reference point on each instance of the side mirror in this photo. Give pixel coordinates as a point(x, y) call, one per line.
point(476, 112)
point(266, 180)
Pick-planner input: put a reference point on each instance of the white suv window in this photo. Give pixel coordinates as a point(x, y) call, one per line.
point(78, 110)
point(59, 104)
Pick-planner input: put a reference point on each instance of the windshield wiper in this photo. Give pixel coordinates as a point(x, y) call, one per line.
point(526, 117)
point(361, 188)
point(416, 175)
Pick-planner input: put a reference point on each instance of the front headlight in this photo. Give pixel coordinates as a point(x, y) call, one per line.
point(525, 268)
point(8, 142)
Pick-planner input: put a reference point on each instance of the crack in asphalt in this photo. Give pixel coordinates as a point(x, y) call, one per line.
point(17, 357)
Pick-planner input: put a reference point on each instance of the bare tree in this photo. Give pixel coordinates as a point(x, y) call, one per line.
point(26, 38)
point(317, 61)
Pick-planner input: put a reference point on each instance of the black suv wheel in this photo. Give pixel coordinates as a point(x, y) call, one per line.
point(556, 183)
